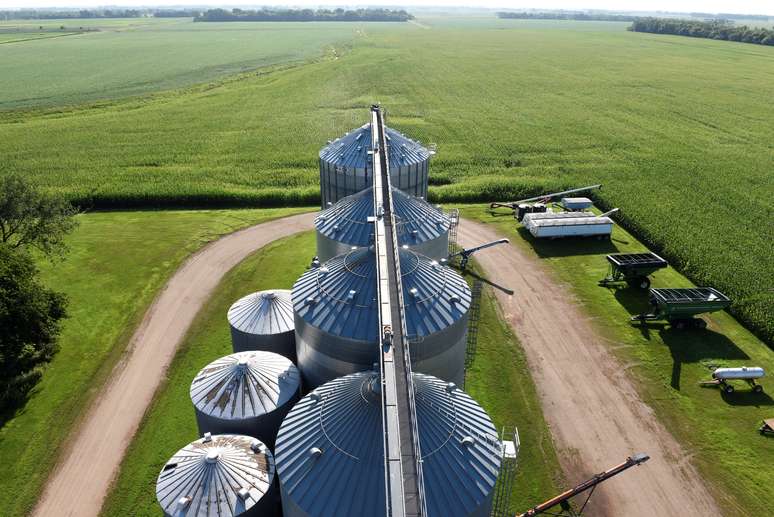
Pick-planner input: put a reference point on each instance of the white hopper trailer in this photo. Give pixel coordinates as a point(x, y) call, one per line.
point(537, 216)
point(599, 226)
point(749, 374)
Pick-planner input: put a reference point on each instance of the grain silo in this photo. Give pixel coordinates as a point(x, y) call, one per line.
point(336, 319)
point(421, 226)
point(345, 165)
point(263, 321)
point(330, 450)
point(219, 476)
point(245, 393)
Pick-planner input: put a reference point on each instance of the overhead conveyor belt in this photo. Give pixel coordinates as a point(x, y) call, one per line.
point(403, 470)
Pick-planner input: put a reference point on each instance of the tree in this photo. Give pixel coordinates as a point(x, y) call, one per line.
point(30, 219)
point(29, 319)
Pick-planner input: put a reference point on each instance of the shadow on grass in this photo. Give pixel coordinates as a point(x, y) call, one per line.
point(695, 345)
point(746, 397)
point(568, 246)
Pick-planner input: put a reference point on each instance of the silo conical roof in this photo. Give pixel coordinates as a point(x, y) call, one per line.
point(351, 150)
point(417, 221)
point(340, 296)
point(245, 385)
point(264, 312)
point(330, 450)
point(218, 476)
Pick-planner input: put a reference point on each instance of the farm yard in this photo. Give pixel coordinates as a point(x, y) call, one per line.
point(220, 128)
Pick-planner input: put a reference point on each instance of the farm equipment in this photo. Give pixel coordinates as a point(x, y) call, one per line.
point(767, 427)
point(562, 500)
point(722, 376)
point(466, 253)
point(578, 225)
point(538, 203)
point(679, 306)
point(633, 268)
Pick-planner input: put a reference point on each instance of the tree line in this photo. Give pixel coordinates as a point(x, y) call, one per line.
point(70, 14)
point(715, 29)
point(31, 224)
point(304, 15)
point(565, 15)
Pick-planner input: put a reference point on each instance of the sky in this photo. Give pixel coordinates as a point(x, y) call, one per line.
point(709, 6)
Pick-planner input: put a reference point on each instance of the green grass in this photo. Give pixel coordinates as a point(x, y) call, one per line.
point(718, 431)
point(117, 263)
point(499, 381)
point(678, 130)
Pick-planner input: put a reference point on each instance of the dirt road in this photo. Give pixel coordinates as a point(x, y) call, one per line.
point(78, 485)
point(596, 417)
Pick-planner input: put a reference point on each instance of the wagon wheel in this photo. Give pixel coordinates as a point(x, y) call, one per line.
point(644, 282)
point(758, 388)
point(728, 388)
point(678, 324)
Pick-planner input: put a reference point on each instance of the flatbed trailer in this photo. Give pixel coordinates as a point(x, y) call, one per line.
point(679, 306)
point(633, 268)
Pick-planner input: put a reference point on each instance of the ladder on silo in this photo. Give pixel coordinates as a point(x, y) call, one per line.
point(509, 458)
point(404, 485)
point(474, 315)
point(454, 220)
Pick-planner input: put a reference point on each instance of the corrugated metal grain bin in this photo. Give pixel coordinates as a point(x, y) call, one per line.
point(336, 318)
point(421, 226)
point(345, 166)
point(330, 450)
point(245, 393)
point(263, 321)
point(219, 476)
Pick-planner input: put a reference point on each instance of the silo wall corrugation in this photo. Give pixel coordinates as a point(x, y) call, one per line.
point(436, 249)
point(264, 427)
point(282, 343)
point(323, 357)
point(443, 354)
point(329, 248)
point(338, 181)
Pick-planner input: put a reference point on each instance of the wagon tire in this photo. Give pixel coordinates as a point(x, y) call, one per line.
point(644, 283)
point(679, 324)
point(758, 388)
point(728, 388)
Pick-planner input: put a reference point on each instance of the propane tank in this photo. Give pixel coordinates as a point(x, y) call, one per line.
point(744, 372)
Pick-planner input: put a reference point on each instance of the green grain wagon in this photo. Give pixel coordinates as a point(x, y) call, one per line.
point(679, 306)
point(633, 268)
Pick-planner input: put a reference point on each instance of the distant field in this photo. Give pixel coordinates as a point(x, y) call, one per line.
point(137, 56)
point(678, 129)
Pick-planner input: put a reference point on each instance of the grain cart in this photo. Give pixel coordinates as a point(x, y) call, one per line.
point(679, 306)
point(722, 376)
point(633, 268)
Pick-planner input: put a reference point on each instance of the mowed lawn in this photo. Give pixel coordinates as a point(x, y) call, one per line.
point(677, 129)
point(499, 380)
point(117, 263)
point(718, 431)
